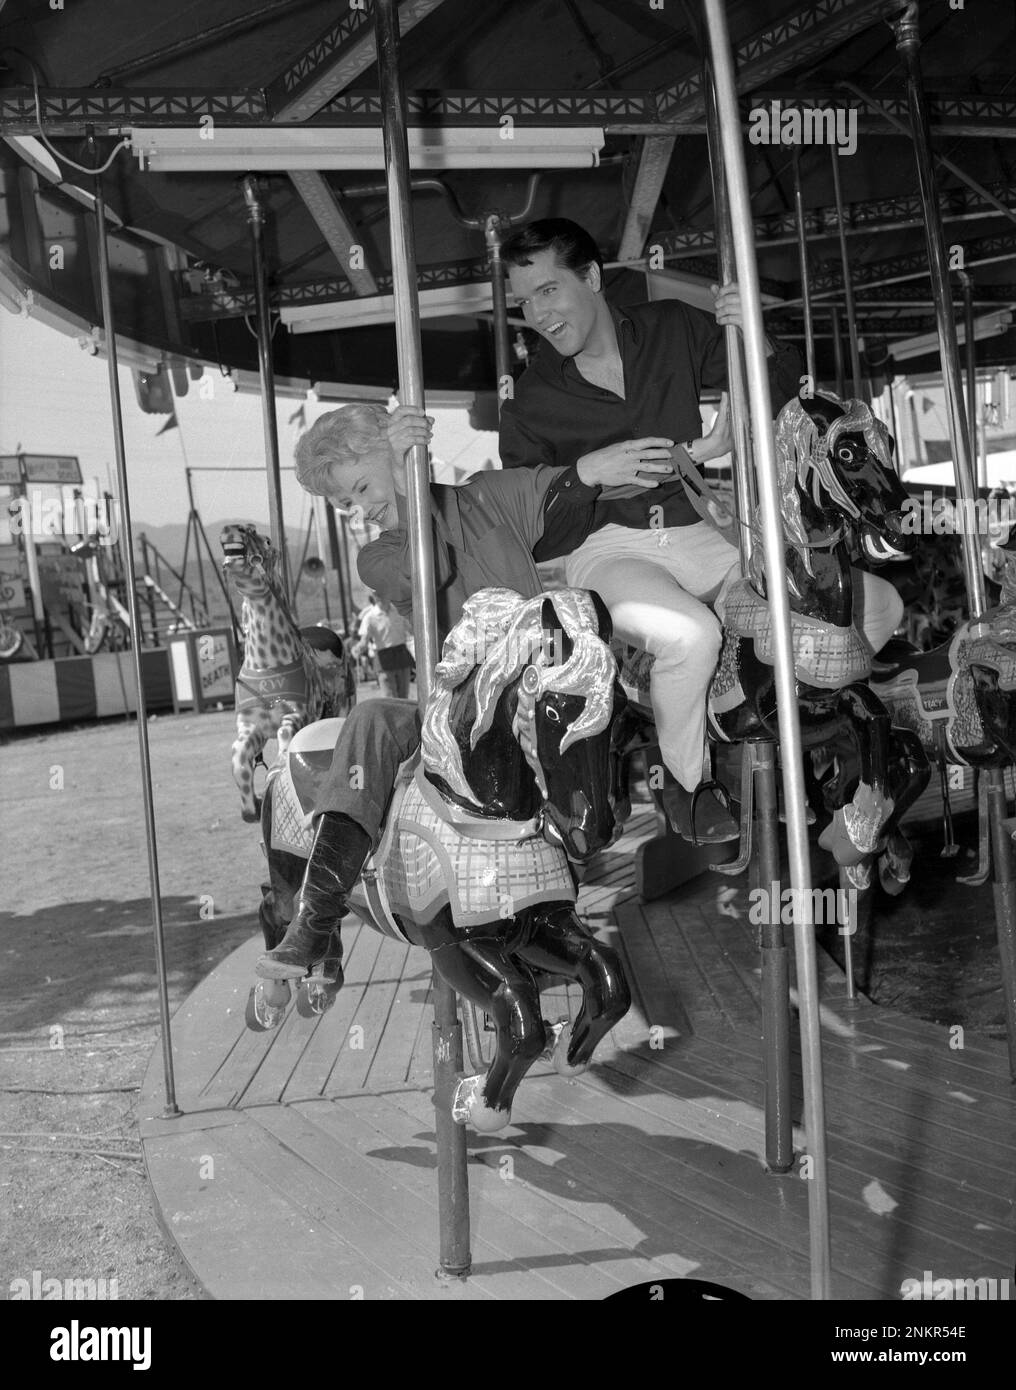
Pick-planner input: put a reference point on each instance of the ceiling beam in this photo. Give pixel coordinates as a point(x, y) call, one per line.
point(335, 227)
point(827, 282)
point(68, 111)
point(334, 59)
point(793, 40)
point(224, 303)
point(654, 161)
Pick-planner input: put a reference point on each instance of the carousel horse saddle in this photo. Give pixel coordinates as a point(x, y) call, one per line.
point(898, 656)
point(825, 656)
point(323, 639)
point(298, 783)
point(434, 854)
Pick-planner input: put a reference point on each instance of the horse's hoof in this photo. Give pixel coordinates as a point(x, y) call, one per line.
point(251, 817)
point(262, 1014)
point(469, 1107)
point(315, 997)
point(562, 1036)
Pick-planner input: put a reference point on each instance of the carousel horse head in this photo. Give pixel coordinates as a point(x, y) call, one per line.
point(251, 563)
point(519, 722)
point(838, 454)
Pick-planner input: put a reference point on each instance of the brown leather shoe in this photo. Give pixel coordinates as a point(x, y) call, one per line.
point(714, 825)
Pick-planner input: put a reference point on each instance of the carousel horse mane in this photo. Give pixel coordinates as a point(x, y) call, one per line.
point(500, 637)
point(803, 460)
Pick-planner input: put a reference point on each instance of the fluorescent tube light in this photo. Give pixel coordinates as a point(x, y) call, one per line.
point(358, 313)
point(990, 326)
point(234, 150)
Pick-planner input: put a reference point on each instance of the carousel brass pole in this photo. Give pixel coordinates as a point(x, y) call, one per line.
point(837, 331)
point(256, 221)
point(908, 45)
point(970, 353)
point(848, 288)
point(109, 333)
point(452, 1174)
point(774, 956)
point(502, 350)
point(779, 608)
point(802, 261)
point(745, 498)
point(336, 558)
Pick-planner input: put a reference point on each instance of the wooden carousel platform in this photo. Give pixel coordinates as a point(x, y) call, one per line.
point(304, 1163)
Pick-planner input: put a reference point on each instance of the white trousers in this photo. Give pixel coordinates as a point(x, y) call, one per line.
point(658, 584)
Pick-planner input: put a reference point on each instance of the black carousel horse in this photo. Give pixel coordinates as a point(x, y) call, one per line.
point(835, 475)
point(515, 779)
point(959, 698)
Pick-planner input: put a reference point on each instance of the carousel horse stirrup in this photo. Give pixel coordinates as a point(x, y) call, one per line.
point(699, 816)
point(336, 858)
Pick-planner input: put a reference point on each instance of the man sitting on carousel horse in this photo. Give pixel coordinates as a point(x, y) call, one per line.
point(602, 376)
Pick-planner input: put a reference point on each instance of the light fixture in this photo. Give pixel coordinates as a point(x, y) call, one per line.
point(447, 301)
point(239, 150)
point(990, 326)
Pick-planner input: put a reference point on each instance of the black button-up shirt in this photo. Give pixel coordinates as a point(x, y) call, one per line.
point(670, 353)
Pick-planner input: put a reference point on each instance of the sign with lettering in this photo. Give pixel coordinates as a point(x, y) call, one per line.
point(61, 578)
point(215, 666)
point(10, 470)
point(51, 468)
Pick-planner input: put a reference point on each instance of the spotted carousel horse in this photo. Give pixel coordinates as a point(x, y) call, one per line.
point(834, 472)
point(514, 780)
point(290, 676)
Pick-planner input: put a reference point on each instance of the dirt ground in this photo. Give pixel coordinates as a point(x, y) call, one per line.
point(80, 1009)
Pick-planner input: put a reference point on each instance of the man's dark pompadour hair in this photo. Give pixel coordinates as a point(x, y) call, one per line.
point(571, 244)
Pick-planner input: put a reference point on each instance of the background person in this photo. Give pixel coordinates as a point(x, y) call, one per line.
point(387, 631)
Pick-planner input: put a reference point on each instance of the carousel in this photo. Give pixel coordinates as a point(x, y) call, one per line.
point(553, 1059)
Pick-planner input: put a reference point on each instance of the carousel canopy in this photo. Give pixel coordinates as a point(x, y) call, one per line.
point(593, 111)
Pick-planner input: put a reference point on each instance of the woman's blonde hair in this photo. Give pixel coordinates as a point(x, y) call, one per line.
point(340, 437)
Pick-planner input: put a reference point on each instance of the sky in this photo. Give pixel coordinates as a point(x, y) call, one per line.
point(54, 399)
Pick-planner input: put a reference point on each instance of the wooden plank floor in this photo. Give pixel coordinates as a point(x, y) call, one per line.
point(304, 1163)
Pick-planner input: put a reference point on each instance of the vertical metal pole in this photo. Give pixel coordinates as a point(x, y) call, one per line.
point(897, 455)
point(908, 45)
point(321, 554)
point(848, 288)
point(775, 961)
point(256, 221)
point(333, 547)
point(197, 548)
point(344, 548)
point(109, 333)
point(970, 353)
point(779, 607)
point(841, 383)
point(452, 1174)
point(745, 496)
point(1004, 890)
point(802, 260)
point(502, 349)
